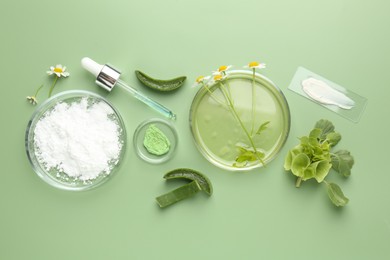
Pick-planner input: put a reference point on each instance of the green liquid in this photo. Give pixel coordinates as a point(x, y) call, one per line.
point(218, 133)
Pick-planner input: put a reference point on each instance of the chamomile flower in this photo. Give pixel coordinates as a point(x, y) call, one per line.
point(255, 65)
point(218, 77)
point(32, 99)
point(201, 80)
point(222, 69)
point(58, 70)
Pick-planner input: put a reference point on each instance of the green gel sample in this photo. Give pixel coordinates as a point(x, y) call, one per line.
point(155, 141)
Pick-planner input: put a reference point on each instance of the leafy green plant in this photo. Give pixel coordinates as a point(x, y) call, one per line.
point(313, 159)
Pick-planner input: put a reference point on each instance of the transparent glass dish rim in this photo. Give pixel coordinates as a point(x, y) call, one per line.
point(64, 96)
point(263, 82)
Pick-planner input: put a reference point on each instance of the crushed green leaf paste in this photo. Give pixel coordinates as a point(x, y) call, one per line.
point(155, 141)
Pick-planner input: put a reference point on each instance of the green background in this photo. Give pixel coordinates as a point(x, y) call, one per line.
point(255, 215)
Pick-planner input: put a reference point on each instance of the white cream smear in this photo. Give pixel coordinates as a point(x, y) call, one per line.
point(325, 94)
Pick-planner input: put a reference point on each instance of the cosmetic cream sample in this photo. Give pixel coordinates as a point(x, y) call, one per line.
point(325, 94)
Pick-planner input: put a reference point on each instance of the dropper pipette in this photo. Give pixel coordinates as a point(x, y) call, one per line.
point(107, 77)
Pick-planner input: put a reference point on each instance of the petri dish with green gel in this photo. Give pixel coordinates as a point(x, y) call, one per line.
point(218, 134)
point(155, 140)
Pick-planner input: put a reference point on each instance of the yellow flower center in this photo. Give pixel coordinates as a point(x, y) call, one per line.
point(58, 70)
point(217, 77)
point(199, 79)
point(253, 64)
point(222, 68)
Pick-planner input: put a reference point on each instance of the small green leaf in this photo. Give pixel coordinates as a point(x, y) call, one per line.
point(321, 170)
point(333, 138)
point(291, 155)
point(262, 127)
point(315, 133)
point(342, 162)
point(248, 155)
point(308, 173)
point(326, 126)
point(299, 164)
point(336, 195)
point(313, 141)
point(297, 150)
point(304, 140)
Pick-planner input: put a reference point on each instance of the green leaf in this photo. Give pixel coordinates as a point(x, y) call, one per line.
point(342, 162)
point(308, 173)
point(304, 140)
point(326, 126)
point(262, 127)
point(313, 141)
point(333, 138)
point(321, 170)
point(288, 160)
point(299, 164)
point(336, 195)
point(247, 155)
point(291, 155)
point(297, 150)
point(315, 133)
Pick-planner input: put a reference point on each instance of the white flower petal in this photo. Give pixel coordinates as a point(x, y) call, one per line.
point(195, 85)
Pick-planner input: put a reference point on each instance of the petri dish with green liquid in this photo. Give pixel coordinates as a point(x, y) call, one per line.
point(241, 122)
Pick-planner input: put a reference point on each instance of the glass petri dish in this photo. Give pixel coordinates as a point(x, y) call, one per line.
point(166, 128)
point(53, 175)
point(221, 132)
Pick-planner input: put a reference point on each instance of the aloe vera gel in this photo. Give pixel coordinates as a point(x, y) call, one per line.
point(155, 141)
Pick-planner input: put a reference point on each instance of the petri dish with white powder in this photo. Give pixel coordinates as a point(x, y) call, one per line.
point(75, 140)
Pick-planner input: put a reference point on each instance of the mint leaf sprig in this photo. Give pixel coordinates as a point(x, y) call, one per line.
point(313, 159)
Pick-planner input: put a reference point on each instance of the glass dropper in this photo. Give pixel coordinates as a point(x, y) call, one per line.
point(107, 77)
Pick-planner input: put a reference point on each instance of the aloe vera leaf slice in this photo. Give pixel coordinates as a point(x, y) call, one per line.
point(160, 84)
point(178, 194)
point(192, 175)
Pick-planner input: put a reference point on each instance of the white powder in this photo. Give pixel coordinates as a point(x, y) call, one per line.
point(78, 139)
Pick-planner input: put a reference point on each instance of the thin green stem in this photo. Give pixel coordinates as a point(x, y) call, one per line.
point(233, 110)
point(229, 90)
point(36, 92)
point(213, 96)
point(52, 86)
point(298, 182)
point(253, 102)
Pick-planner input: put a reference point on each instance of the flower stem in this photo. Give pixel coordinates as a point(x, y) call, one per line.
point(233, 110)
point(253, 101)
point(298, 182)
point(38, 89)
point(213, 96)
point(52, 86)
